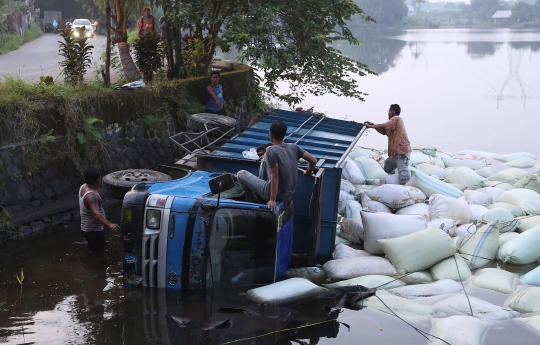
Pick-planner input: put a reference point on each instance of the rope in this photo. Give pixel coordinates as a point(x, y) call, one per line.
point(461, 281)
point(422, 333)
point(377, 287)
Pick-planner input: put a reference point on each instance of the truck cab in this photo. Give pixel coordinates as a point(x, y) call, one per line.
point(180, 235)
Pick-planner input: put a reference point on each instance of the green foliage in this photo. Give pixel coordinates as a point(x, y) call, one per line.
point(46, 80)
point(524, 12)
point(194, 54)
point(89, 133)
point(133, 34)
point(34, 150)
point(297, 46)
point(480, 9)
point(76, 52)
point(115, 64)
point(148, 54)
point(13, 41)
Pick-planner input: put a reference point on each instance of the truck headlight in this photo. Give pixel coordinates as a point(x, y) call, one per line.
point(153, 219)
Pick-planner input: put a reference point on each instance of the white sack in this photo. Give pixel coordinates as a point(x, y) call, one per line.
point(495, 279)
point(352, 209)
point(343, 251)
point(475, 152)
point(514, 156)
point(400, 306)
point(418, 157)
point(514, 210)
point(426, 149)
point(523, 249)
point(441, 287)
point(449, 162)
point(498, 184)
point(486, 172)
point(481, 248)
point(355, 267)
point(465, 230)
point(476, 197)
point(371, 281)
point(525, 300)
point(289, 290)
point(507, 236)
point(458, 330)
point(420, 209)
point(493, 192)
point(343, 198)
point(418, 251)
point(528, 223)
point(396, 196)
point(506, 221)
point(447, 269)
point(362, 151)
point(522, 163)
point(372, 206)
point(347, 186)
point(433, 170)
point(352, 173)
point(379, 226)
point(526, 199)
point(389, 179)
point(420, 277)
point(532, 277)
point(352, 230)
point(370, 168)
point(445, 224)
point(441, 206)
point(466, 177)
point(481, 309)
point(529, 181)
point(430, 185)
point(477, 211)
point(510, 175)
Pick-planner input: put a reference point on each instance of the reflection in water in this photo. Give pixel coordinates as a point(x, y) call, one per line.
point(480, 50)
point(376, 51)
point(514, 62)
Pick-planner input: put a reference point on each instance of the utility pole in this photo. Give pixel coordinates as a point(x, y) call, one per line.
point(107, 75)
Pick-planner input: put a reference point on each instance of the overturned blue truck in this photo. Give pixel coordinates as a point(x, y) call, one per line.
point(185, 234)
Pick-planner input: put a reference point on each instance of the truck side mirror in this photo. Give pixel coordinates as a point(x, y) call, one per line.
point(220, 184)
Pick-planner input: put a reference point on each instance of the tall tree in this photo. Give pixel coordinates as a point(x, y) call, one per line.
point(120, 12)
point(481, 8)
point(287, 40)
point(388, 12)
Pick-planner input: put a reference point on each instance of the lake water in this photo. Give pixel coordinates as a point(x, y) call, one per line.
point(459, 89)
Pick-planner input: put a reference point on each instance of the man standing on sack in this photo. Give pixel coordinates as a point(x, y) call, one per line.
point(399, 147)
point(93, 218)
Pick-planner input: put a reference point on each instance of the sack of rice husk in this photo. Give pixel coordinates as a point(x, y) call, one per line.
point(441, 206)
point(529, 181)
point(525, 300)
point(514, 210)
point(481, 248)
point(526, 199)
point(396, 196)
point(513, 156)
point(355, 267)
point(454, 267)
point(522, 163)
point(510, 175)
point(430, 185)
point(466, 177)
point(495, 279)
point(523, 249)
point(293, 289)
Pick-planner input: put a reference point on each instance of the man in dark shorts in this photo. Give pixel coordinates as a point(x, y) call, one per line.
point(93, 218)
point(281, 161)
point(215, 104)
point(399, 148)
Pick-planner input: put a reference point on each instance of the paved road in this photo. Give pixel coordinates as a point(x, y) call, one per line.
point(40, 57)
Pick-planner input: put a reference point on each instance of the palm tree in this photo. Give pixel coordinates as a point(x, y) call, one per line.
point(120, 13)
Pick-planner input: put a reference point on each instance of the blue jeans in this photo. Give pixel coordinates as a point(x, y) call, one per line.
point(401, 162)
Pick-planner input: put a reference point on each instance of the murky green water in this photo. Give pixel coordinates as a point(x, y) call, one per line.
point(449, 84)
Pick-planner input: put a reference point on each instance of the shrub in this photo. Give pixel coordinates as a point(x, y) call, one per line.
point(76, 53)
point(148, 54)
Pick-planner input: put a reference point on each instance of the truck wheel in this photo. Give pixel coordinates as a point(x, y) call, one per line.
point(196, 123)
point(118, 183)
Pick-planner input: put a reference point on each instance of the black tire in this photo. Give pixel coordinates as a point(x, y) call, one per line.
point(118, 183)
point(197, 122)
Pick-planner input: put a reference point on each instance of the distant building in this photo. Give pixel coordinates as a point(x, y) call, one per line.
point(500, 17)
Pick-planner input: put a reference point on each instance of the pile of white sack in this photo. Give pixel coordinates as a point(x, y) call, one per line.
point(463, 223)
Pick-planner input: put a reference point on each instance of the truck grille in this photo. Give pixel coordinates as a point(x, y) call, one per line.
point(150, 259)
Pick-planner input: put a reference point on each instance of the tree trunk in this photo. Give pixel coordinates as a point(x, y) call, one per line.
point(130, 70)
point(107, 74)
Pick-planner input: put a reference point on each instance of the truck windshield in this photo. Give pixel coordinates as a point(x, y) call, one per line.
point(242, 248)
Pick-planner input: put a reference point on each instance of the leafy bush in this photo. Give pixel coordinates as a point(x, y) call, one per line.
point(76, 53)
point(194, 54)
point(148, 54)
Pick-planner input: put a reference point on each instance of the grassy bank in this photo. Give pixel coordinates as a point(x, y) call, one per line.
point(11, 42)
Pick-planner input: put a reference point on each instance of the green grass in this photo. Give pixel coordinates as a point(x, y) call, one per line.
point(14, 41)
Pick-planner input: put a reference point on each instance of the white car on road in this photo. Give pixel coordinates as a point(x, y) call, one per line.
point(78, 23)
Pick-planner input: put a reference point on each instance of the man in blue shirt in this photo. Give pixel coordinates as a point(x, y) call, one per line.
point(214, 96)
